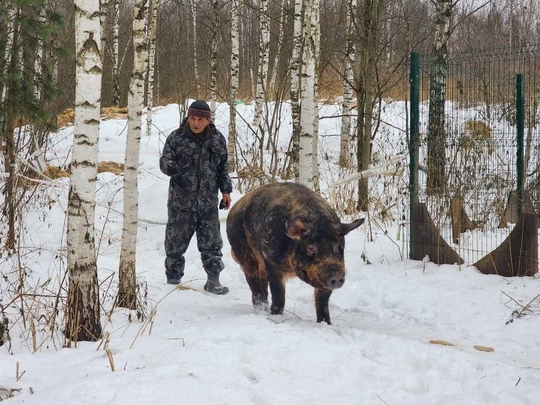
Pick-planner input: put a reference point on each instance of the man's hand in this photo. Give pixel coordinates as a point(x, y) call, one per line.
point(225, 203)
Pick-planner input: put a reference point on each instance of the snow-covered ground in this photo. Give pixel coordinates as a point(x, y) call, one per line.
point(403, 332)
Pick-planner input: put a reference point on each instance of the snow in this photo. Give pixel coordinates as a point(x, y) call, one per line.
point(403, 331)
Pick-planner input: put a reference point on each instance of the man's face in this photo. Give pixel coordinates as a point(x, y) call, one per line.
point(197, 124)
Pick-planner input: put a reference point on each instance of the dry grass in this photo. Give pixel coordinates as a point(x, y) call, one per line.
point(112, 167)
point(55, 172)
point(67, 117)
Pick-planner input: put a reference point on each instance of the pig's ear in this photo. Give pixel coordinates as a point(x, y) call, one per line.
point(344, 229)
point(296, 229)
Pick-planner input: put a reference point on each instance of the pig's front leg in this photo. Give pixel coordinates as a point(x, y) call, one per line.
point(321, 305)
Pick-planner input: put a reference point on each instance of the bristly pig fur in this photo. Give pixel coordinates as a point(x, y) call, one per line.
point(283, 230)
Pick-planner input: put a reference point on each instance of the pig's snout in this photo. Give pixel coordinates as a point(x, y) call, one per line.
point(335, 281)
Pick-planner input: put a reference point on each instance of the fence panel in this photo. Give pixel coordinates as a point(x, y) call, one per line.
point(479, 204)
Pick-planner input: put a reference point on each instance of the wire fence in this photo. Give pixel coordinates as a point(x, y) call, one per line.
point(484, 151)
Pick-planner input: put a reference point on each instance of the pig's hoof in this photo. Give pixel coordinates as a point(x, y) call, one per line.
point(276, 310)
point(261, 307)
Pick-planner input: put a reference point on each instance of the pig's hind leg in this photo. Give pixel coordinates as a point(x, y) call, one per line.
point(257, 281)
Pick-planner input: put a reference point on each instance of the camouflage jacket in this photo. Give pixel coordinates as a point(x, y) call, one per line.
point(198, 168)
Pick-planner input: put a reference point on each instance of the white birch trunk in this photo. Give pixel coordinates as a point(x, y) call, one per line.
point(127, 294)
point(295, 87)
point(262, 71)
point(151, 66)
point(38, 63)
point(307, 104)
point(115, 52)
point(83, 309)
point(194, 45)
point(235, 58)
point(348, 97)
point(213, 58)
point(104, 7)
point(316, 35)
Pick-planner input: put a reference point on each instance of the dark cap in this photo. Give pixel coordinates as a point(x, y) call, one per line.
point(199, 108)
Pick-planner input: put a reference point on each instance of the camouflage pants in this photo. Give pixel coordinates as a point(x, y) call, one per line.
point(181, 226)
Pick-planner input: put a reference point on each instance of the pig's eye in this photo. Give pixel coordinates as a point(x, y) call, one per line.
point(312, 250)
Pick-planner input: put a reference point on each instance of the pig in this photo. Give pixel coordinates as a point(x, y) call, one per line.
point(283, 230)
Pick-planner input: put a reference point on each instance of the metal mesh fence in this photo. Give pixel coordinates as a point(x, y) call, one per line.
point(481, 147)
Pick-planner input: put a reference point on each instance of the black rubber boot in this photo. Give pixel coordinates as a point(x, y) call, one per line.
point(214, 286)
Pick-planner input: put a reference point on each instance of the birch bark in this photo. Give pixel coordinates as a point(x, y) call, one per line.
point(115, 5)
point(193, 5)
point(348, 83)
point(235, 50)
point(308, 105)
point(295, 91)
point(151, 66)
point(127, 289)
point(262, 70)
point(83, 309)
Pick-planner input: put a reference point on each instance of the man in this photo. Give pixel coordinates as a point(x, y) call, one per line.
point(195, 156)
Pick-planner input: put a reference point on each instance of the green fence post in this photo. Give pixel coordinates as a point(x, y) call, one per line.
point(520, 123)
point(414, 142)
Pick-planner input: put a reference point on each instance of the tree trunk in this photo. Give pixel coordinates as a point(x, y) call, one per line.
point(372, 13)
point(348, 86)
point(193, 5)
point(151, 66)
point(272, 86)
point(308, 104)
point(127, 288)
point(115, 4)
point(214, 56)
point(436, 157)
point(83, 309)
point(235, 50)
point(8, 126)
point(316, 33)
point(294, 150)
point(262, 70)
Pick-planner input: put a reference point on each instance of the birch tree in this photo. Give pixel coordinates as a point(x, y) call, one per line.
point(316, 33)
point(348, 85)
point(294, 150)
point(83, 309)
point(308, 141)
point(151, 65)
point(262, 70)
point(127, 289)
point(214, 56)
point(235, 58)
point(38, 63)
point(115, 12)
point(7, 114)
point(193, 4)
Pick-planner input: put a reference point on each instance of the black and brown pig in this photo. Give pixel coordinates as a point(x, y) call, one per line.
point(283, 230)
